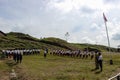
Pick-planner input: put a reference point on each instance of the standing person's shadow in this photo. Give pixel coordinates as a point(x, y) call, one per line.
point(96, 71)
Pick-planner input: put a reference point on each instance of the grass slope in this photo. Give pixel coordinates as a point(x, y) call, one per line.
point(20, 40)
point(99, 47)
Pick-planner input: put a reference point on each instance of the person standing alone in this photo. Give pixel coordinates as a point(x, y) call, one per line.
point(100, 61)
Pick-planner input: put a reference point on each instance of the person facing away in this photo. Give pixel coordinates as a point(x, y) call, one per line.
point(15, 56)
point(20, 56)
point(100, 60)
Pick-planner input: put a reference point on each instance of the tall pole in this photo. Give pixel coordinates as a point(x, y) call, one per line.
point(105, 21)
point(107, 36)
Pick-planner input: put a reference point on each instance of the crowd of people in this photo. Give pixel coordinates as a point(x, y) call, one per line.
point(73, 53)
point(81, 54)
point(17, 54)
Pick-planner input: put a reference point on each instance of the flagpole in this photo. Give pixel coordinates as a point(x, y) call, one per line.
point(105, 20)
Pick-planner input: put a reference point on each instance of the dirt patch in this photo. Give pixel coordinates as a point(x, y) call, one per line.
point(4, 75)
point(21, 74)
point(0, 61)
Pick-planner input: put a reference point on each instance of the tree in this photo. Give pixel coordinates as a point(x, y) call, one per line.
point(66, 36)
point(118, 49)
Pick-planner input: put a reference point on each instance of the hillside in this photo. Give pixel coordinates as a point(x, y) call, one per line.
point(99, 47)
point(21, 40)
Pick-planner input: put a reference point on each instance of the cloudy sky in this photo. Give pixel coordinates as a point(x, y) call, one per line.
point(82, 19)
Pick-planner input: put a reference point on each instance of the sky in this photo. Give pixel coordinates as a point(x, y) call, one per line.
point(82, 19)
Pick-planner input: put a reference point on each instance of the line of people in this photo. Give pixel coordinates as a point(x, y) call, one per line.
point(16, 54)
point(82, 54)
point(74, 53)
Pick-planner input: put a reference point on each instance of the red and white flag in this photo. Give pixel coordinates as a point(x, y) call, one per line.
point(105, 19)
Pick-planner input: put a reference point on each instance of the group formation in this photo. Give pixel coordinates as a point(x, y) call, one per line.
point(74, 53)
point(81, 54)
point(16, 54)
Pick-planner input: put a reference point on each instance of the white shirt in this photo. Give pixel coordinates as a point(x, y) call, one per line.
point(100, 57)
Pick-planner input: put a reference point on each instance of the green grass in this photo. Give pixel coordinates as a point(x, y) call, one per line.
point(95, 46)
point(35, 67)
point(4, 70)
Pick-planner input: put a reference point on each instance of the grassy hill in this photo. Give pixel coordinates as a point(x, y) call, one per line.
point(99, 47)
point(21, 40)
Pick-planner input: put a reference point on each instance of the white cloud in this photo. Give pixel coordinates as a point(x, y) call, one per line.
point(87, 40)
point(65, 6)
point(95, 26)
point(5, 25)
point(53, 18)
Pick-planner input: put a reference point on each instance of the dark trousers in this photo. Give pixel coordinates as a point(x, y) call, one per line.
point(15, 57)
point(96, 65)
point(45, 55)
point(20, 57)
point(100, 64)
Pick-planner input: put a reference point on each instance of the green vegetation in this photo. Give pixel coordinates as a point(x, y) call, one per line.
point(20, 40)
point(99, 47)
point(4, 70)
point(35, 67)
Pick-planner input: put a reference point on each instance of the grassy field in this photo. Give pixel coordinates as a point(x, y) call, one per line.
point(35, 67)
point(4, 70)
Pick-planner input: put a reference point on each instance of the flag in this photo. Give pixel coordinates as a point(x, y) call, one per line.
point(105, 19)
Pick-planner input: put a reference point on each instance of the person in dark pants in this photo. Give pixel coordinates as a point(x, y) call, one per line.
point(20, 57)
point(96, 61)
point(100, 59)
point(15, 57)
point(47, 50)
